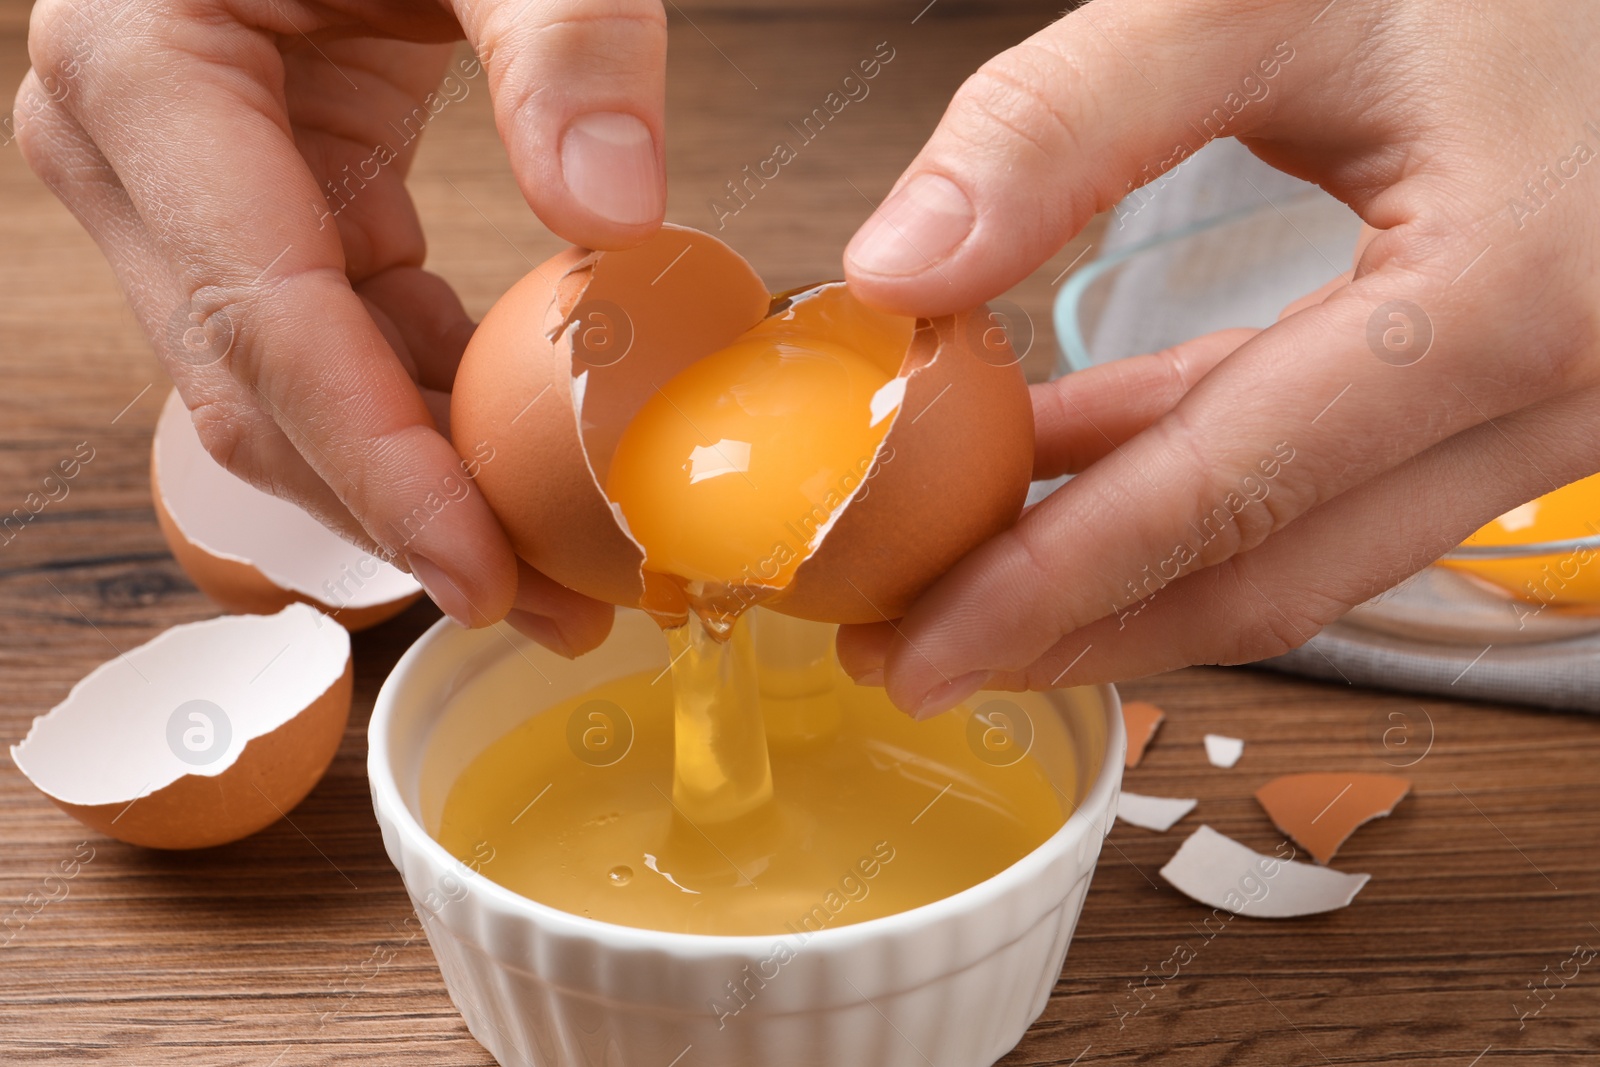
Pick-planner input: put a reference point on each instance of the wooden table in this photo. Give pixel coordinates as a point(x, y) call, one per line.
point(292, 949)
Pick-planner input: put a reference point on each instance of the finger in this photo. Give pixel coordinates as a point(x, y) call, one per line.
point(303, 341)
point(579, 89)
point(404, 85)
point(1079, 419)
point(430, 323)
point(1052, 131)
point(1339, 281)
point(392, 335)
point(863, 648)
point(438, 405)
point(1084, 416)
point(1269, 601)
point(1317, 295)
point(555, 616)
point(364, 187)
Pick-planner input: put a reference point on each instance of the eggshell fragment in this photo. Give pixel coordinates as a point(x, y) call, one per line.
point(1322, 810)
point(1152, 813)
point(1218, 871)
point(1141, 720)
point(1223, 751)
point(250, 551)
point(565, 359)
point(560, 364)
point(950, 474)
point(203, 735)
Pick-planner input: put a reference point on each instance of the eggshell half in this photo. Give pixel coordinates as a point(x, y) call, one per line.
point(1322, 810)
point(567, 357)
point(591, 333)
point(203, 735)
point(250, 551)
point(952, 472)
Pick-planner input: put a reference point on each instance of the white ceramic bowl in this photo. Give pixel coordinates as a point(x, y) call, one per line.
point(951, 984)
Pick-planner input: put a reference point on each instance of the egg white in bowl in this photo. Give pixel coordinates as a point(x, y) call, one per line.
point(955, 982)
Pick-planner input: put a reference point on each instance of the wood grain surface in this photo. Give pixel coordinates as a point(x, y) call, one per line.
point(293, 948)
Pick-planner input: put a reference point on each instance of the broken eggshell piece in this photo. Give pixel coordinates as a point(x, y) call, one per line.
point(564, 360)
point(1140, 718)
point(1215, 869)
point(1321, 810)
point(1152, 813)
point(1222, 750)
point(204, 735)
point(250, 551)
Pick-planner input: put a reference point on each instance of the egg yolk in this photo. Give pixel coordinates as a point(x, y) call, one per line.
point(732, 469)
point(1570, 578)
point(728, 475)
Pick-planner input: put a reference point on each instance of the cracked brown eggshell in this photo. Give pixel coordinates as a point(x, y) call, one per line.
point(570, 353)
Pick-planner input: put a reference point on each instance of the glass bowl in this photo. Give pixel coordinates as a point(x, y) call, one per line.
point(1453, 606)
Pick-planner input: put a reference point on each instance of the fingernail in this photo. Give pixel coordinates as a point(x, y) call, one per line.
point(872, 677)
point(946, 695)
point(441, 590)
point(608, 160)
point(543, 630)
point(915, 228)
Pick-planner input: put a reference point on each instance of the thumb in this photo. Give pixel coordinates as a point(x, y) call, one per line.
point(578, 89)
point(1064, 125)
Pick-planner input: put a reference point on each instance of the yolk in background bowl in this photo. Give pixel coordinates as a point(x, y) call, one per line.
point(1569, 578)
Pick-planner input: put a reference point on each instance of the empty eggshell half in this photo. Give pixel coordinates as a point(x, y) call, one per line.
point(569, 354)
point(250, 551)
point(204, 735)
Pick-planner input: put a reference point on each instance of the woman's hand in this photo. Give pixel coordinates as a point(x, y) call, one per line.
point(1241, 492)
point(242, 166)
